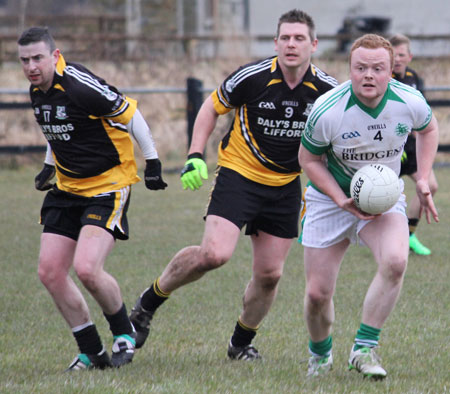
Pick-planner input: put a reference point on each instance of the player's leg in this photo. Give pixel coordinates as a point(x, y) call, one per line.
point(55, 261)
point(188, 265)
point(272, 222)
point(387, 237)
point(60, 216)
point(269, 255)
point(414, 216)
point(94, 245)
point(326, 234)
point(321, 272)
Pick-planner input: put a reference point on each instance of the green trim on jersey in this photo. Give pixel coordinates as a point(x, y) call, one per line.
point(333, 99)
point(314, 117)
point(342, 173)
point(402, 86)
point(373, 112)
point(347, 131)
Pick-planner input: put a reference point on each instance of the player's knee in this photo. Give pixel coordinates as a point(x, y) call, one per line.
point(86, 274)
point(317, 298)
point(269, 280)
point(48, 272)
point(211, 259)
point(396, 267)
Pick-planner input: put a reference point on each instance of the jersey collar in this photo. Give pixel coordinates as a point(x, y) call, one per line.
point(373, 112)
point(60, 65)
point(308, 78)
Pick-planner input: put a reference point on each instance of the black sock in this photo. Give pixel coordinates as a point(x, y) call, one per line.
point(119, 323)
point(242, 335)
point(88, 340)
point(153, 297)
point(412, 224)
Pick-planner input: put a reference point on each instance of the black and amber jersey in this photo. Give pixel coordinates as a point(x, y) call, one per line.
point(84, 120)
point(264, 139)
point(411, 78)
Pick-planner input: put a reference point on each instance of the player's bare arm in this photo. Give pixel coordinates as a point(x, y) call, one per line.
point(317, 172)
point(203, 127)
point(427, 142)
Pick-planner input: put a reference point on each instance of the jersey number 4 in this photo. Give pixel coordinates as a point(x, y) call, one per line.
point(378, 136)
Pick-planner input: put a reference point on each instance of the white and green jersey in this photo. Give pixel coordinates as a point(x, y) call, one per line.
point(353, 135)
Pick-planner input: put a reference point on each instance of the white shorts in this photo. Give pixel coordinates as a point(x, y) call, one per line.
point(325, 224)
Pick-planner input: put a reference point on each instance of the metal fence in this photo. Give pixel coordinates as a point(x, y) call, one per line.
point(194, 92)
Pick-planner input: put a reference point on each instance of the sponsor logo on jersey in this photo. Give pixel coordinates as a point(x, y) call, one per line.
point(57, 132)
point(93, 216)
point(290, 103)
point(266, 105)
point(365, 156)
point(308, 109)
point(401, 129)
point(352, 134)
point(109, 94)
point(376, 126)
point(61, 112)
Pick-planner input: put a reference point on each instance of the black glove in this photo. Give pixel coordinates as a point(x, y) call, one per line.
point(42, 180)
point(153, 178)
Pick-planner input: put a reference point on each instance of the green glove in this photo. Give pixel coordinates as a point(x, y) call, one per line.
point(404, 156)
point(194, 170)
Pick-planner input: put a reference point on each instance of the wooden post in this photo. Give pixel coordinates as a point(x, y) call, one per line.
point(133, 25)
point(194, 102)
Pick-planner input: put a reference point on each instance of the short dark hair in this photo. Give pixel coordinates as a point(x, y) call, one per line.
point(297, 16)
point(37, 34)
point(400, 39)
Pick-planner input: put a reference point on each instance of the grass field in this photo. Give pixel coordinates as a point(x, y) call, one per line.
point(186, 352)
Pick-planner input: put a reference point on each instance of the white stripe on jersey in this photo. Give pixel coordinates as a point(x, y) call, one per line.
point(251, 70)
point(222, 100)
point(325, 77)
point(94, 84)
point(328, 100)
point(117, 125)
point(85, 79)
point(119, 111)
point(246, 136)
point(242, 75)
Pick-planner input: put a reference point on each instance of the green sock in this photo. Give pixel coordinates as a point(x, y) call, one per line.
point(366, 336)
point(322, 348)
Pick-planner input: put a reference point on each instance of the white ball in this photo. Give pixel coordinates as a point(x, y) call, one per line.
point(375, 188)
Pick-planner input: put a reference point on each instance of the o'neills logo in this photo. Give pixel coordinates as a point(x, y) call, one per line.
point(356, 189)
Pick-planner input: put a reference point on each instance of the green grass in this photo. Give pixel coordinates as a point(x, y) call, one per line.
point(186, 352)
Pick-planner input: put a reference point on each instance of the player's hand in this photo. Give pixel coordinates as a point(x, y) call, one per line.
point(152, 175)
point(349, 205)
point(426, 201)
point(42, 180)
point(194, 170)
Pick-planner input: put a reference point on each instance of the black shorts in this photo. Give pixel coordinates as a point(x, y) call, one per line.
point(272, 209)
point(409, 165)
point(65, 213)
